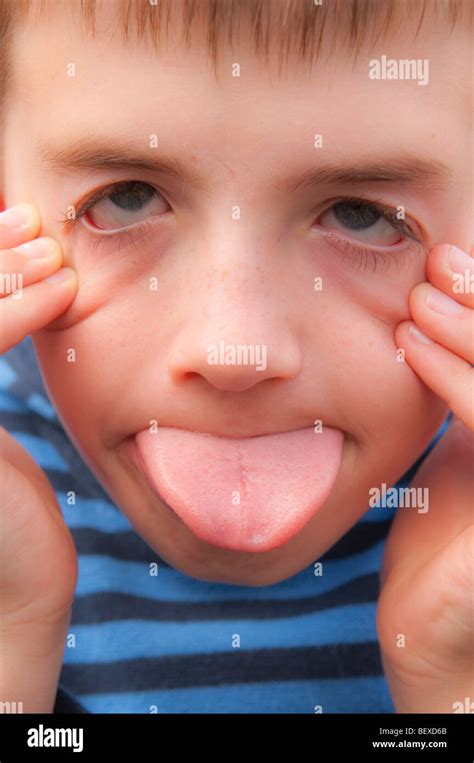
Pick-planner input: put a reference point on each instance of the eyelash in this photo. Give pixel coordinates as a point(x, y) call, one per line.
point(358, 254)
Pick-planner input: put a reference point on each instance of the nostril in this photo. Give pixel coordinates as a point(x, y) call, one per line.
point(191, 375)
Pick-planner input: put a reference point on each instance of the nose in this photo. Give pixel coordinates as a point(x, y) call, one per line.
point(238, 332)
point(234, 364)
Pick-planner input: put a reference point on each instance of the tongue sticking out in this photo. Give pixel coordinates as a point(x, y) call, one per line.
point(251, 494)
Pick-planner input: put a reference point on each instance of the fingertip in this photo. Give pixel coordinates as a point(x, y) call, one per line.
point(407, 334)
point(63, 276)
point(32, 215)
point(418, 294)
point(437, 262)
point(402, 329)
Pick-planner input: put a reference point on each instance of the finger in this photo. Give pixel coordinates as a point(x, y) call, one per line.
point(443, 319)
point(452, 271)
point(39, 305)
point(450, 377)
point(28, 263)
point(19, 224)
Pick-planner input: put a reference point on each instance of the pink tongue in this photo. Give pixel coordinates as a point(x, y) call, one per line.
point(251, 494)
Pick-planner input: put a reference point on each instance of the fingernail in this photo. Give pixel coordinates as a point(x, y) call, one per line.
point(40, 247)
point(443, 304)
point(63, 274)
point(16, 217)
point(458, 260)
point(418, 335)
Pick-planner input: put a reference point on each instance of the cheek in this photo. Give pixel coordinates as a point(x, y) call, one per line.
point(355, 317)
point(373, 393)
point(379, 288)
point(114, 269)
point(96, 371)
point(74, 372)
point(93, 355)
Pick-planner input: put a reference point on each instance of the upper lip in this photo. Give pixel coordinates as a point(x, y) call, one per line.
point(241, 436)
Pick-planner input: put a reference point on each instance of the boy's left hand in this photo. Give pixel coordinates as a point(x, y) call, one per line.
point(425, 616)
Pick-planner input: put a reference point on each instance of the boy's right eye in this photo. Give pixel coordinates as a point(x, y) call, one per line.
point(123, 205)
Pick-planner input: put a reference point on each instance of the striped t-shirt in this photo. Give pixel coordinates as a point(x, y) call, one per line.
point(146, 638)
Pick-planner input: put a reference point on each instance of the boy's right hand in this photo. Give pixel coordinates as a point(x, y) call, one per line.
point(33, 263)
point(38, 562)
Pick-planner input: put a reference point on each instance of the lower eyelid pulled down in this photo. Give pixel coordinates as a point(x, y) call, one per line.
point(379, 259)
point(127, 238)
point(355, 255)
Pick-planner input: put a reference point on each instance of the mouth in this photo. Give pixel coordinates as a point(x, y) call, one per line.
point(250, 494)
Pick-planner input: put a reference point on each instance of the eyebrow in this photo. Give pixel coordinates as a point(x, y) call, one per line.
point(90, 154)
point(103, 154)
point(418, 172)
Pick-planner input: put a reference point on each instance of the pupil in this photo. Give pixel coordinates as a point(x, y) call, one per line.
point(133, 198)
point(355, 216)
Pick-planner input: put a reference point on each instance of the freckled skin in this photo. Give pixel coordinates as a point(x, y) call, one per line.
point(140, 354)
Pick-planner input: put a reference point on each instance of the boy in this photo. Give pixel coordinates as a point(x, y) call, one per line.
point(264, 317)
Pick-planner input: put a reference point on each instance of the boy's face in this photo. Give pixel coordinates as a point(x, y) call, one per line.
point(235, 256)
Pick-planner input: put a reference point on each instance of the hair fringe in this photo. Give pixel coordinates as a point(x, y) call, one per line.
point(298, 25)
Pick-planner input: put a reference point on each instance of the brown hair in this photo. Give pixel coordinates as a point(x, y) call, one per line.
point(302, 25)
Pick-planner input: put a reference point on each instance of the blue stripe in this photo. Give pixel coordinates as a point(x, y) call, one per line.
point(136, 638)
point(42, 406)
point(44, 453)
point(95, 513)
point(7, 374)
point(344, 695)
point(101, 573)
point(377, 514)
point(11, 404)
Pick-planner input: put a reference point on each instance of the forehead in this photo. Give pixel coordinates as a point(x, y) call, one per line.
point(70, 78)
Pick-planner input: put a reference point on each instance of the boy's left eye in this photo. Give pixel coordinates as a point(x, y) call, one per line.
point(364, 221)
point(124, 204)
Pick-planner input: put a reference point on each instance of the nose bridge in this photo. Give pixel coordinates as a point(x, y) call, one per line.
point(238, 271)
point(236, 335)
